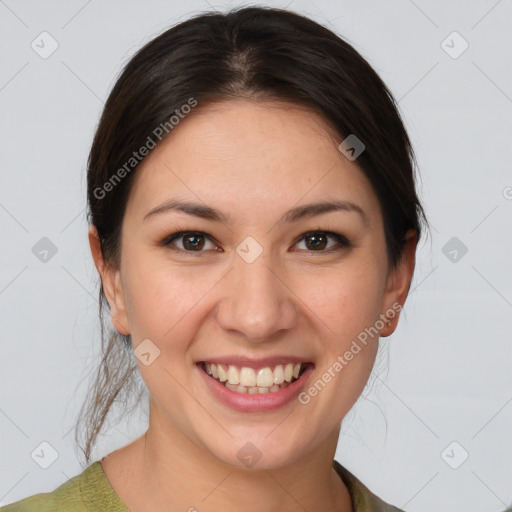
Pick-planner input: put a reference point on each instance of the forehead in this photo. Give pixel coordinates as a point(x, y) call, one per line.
point(250, 155)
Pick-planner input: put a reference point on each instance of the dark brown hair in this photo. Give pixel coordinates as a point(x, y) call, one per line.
point(256, 53)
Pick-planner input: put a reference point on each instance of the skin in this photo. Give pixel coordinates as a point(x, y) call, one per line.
point(253, 161)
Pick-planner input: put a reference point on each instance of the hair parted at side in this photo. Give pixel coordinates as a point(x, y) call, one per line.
point(258, 53)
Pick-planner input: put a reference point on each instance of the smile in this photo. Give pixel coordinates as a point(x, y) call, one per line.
point(246, 380)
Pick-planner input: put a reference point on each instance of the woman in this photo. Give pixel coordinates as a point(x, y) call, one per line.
point(254, 221)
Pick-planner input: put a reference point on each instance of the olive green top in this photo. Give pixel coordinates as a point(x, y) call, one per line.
point(91, 491)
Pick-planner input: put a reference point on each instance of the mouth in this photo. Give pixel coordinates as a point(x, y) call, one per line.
point(249, 380)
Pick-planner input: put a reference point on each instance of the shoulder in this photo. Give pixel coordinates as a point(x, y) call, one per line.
point(90, 490)
point(66, 497)
point(362, 498)
point(43, 502)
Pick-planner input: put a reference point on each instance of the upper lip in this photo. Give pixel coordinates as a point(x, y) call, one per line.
point(247, 362)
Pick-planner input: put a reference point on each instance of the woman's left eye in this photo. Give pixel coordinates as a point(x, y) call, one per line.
point(314, 241)
point(318, 241)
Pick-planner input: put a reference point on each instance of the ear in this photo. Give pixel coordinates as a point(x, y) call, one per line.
point(111, 280)
point(398, 284)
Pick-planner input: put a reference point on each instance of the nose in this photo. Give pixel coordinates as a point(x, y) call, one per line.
point(256, 301)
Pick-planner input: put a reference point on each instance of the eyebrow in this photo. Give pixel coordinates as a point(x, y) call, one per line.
point(208, 213)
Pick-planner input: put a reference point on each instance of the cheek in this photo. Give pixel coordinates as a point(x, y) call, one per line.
point(160, 297)
point(163, 304)
point(345, 300)
point(346, 304)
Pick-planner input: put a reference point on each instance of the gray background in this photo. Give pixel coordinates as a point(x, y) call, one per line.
point(444, 376)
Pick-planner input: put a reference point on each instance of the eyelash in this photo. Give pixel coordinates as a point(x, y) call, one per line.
point(342, 241)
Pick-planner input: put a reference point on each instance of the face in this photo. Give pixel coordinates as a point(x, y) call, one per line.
point(226, 260)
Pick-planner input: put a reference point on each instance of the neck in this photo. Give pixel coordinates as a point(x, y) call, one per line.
point(171, 470)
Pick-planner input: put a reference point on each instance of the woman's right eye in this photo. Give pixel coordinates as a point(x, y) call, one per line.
point(190, 241)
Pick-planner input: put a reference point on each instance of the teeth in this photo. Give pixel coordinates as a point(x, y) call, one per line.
point(248, 380)
point(247, 377)
point(288, 372)
point(223, 374)
point(279, 374)
point(233, 375)
point(265, 378)
point(236, 387)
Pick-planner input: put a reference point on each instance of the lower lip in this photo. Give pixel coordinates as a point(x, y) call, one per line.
point(265, 402)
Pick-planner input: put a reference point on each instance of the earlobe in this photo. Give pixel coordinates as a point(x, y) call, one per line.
point(398, 284)
point(118, 315)
point(112, 286)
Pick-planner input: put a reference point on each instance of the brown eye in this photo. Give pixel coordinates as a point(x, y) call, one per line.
point(318, 241)
point(193, 242)
point(190, 241)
